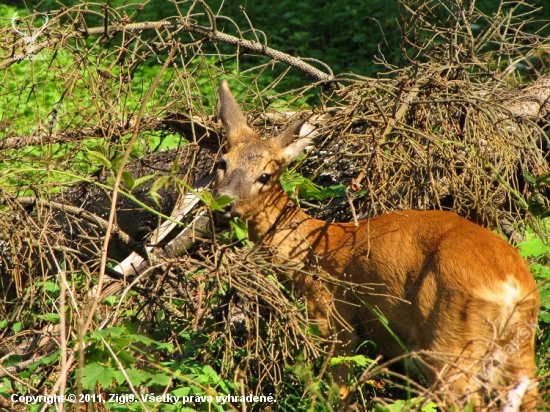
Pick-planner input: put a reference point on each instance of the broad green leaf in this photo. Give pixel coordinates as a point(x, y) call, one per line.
point(137, 377)
point(533, 248)
point(96, 372)
point(100, 157)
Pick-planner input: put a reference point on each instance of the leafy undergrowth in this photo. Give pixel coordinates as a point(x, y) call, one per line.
point(214, 328)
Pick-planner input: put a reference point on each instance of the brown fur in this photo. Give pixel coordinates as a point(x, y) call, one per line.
point(444, 284)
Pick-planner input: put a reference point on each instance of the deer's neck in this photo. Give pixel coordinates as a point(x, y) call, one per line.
point(284, 225)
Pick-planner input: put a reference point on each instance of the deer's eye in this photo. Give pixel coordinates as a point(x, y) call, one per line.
point(221, 164)
point(264, 178)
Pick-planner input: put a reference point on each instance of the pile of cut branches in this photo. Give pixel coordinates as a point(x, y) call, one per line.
point(107, 145)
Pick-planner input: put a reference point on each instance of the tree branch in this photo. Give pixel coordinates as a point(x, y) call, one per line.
point(207, 33)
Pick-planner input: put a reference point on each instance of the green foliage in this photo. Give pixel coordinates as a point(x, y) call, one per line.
point(359, 360)
point(537, 204)
point(239, 228)
point(295, 184)
point(118, 358)
point(537, 252)
point(417, 404)
point(344, 35)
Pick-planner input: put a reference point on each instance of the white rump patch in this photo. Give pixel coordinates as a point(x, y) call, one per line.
point(511, 291)
point(507, 295)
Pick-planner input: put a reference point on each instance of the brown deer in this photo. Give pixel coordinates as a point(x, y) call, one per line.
point(445, 285)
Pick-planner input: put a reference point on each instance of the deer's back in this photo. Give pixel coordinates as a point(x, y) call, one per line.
point(428, 271)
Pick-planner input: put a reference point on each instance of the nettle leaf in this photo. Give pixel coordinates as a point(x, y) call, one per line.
point(128, 179)
point(218, 204)
point(51, 287)
point(544, 316)
point(169, 347)
point(100, 157)
point(96, 372)
point(144, 179)
point(54, 357)
point(117, 160)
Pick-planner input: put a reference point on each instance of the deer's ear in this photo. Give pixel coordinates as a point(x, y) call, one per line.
point(232, 117)
point(291, 143)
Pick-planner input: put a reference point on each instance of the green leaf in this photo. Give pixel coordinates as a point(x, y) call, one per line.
point(165, 346)
point(544, 316)
point(49, 317)
point(159, 379)
point(240, 227)
point(111, 300)
point(209, 201)
point(144, 179)
point(54, 357)
point(100, 157)
point(223, 201)
point(137, 377)
point(96, 372)
point(533, 248)
point(161, 182)
point(359, 360)
point(211, 373)
point(127, 179)
point(11, 360)
point(51, 287)
point(107, 332)
point(175, 165)
point(117, 160)
point(142, 339)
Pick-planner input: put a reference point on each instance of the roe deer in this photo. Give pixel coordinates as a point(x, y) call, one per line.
point(444, 284)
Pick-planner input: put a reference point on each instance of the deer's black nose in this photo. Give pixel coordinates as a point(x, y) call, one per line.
point(229, 211)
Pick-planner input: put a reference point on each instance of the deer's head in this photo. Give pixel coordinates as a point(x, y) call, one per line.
point(250, 170)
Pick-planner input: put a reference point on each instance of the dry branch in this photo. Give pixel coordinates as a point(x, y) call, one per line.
point(444, 133)
point(208, 33)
